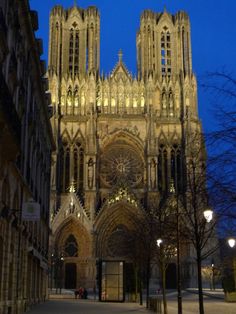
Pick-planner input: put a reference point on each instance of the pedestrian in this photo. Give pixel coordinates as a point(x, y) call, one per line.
point(76, 293)
point(81, 292)
point(85, 294)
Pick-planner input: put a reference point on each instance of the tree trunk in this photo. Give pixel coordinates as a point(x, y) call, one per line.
point(163, 272)
point(136, 283)
point(147, 283)
point(140, 290)
point(199, 276)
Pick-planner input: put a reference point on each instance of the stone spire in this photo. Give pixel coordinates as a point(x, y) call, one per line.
point(120, 55)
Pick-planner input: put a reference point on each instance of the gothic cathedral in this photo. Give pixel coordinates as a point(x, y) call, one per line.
point(119, 138)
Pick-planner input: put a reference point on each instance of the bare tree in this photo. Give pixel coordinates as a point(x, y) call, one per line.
point(167, 216)
point(198, 227)
point(221, 143)
point(146, 247)
point(153, 224)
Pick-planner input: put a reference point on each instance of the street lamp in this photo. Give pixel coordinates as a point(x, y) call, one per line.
point(231, 242)
point(208, 215)
point(159, 242)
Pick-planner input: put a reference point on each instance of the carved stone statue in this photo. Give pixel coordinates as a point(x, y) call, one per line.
point(171, 102)
point(90, 173)
point(164, 101)
point(153, 174)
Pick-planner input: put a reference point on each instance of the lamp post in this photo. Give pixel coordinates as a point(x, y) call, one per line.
point(162, 268)
point(213, 275)
point(61, 261)
point(208, 215)
point(52, 270)
point(232, 244)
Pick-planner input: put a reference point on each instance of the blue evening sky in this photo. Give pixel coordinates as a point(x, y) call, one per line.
point(213, 34)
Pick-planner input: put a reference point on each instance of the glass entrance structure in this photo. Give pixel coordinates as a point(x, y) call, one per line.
point(111, 285)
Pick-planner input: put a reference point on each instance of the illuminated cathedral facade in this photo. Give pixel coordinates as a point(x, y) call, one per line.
point(120, 139)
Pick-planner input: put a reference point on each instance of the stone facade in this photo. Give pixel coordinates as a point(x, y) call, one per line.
point(26, 144)
point(114, 132)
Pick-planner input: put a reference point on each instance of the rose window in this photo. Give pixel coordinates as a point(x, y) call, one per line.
point(121, 164)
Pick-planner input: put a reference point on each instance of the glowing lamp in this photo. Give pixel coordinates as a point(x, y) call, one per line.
point(159, 242)
point(231, 242)
point(208, 214)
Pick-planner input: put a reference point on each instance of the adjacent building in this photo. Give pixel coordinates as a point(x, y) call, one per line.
point(26, 144)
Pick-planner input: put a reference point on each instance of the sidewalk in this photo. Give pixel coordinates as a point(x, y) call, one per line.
point(217, 293)
point(61, 294)
point(66, 303)
point(213, 302)
point(75, 306)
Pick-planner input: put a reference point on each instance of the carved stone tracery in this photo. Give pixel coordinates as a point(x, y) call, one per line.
point(121, 163)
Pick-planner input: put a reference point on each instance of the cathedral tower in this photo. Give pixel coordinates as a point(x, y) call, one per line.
point(74, 41)
point(163, 45)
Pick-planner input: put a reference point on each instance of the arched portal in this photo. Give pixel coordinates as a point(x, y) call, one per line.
point(70, 250)
point(72, 245)
point(117, 228)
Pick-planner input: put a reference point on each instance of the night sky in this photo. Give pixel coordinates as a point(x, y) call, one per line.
point(213, 35)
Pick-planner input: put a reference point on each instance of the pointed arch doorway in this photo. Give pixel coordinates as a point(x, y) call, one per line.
point(71, 251)
point(73, 241)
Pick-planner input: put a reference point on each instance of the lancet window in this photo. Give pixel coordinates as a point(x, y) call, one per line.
point(74, 50)
point(78, 166)
point(71, 166)
point(169, 167)
point(176, 166)
point(162, 169)
point(185, 49)
point(165, 52)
